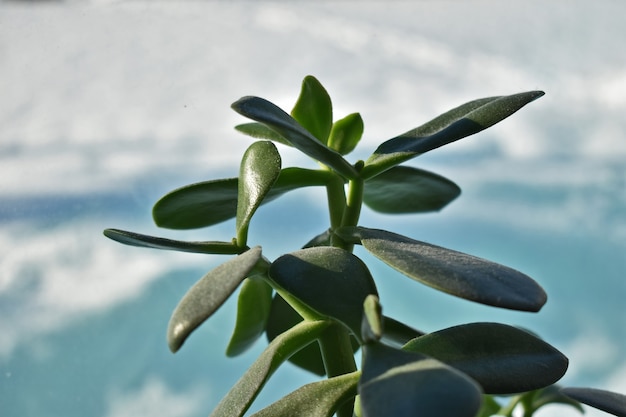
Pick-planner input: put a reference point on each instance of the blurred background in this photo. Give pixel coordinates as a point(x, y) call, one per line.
point(105, 106)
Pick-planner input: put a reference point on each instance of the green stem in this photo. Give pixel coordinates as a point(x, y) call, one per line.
point(338, 356)
point(336, 200)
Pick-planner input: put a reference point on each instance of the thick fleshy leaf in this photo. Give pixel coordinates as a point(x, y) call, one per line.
point(323, 239)
point(405, 189)
point(346, 133)
point(502, 359)
point(313, 109)
point(211, 202)
point(260, 168)
point(283, 317)
point(145, 241)
point(263, 111)
point(253, 309)
point(260, 131)
point(453, 272)
point(465, 120)
point(331, 281)
point(404, 384)
point(398, 332)
point(372, 324)
point(611, 402)
point(317, 399)
point(243, 393)
point(553, 395)
point(207, 295)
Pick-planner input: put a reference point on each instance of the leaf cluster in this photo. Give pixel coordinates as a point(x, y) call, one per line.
point(319, 304)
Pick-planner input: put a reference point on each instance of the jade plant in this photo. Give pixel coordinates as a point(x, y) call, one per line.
point(319, 304)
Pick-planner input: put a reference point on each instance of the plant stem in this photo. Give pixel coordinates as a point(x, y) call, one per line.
point(338, 357)
point(336, 200)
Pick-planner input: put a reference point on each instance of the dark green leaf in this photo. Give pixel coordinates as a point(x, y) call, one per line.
point(260, 168)
point(465, 120)
point(243, 393)
point(323, 239)
point(318, 399)
point(269, 114)
point(449, 271)
point(283, 317)
point(398, 332)
point(346, 133)
point(553, 395)
point(406, 384)
point(313, 109)
point(611, 402)
point(260, 131)
point(253, 309)
point(501, 358)
point(207, 295)
point(211, 202)
point(405, 189)
point(331, 281)
point(145, 241)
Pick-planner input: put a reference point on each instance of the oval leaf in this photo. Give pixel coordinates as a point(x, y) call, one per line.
point(453, 272)
point(331, 281)
point(313, 109)
point(207, 295)
point(318, 399)
point(404, 189)
point(465, 120)
point(501, 358)
point(145, 241)
point(260, 131)
point(211, 202)
point(243, 393)
point(263, 111)
point(611, 402)
point(260, 168)
point(404, 384)
point(346, 133)
point(253, 309)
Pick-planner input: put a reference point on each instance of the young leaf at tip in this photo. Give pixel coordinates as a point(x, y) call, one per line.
point(313, 109)
point(260, 168)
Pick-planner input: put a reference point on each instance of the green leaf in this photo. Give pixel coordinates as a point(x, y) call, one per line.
point(398, 332)
point(405, 189)
point(260, 168)
point(323, 239)
point(611, 402)
point(243, 393)
point(145, 241)
point(211, 202)
point(372, 324)
point(553, 395)
point(253, 309)
point(397, 383)
point(313, 109)
point(465, 120)
point(346, 133)
point(260, 131)
point(317, 399)
point(331, 281)
point(489, 407)
point(207, 295)
point(453, 272)
point(263, 111)
point(283, 317)
point(501, 358)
